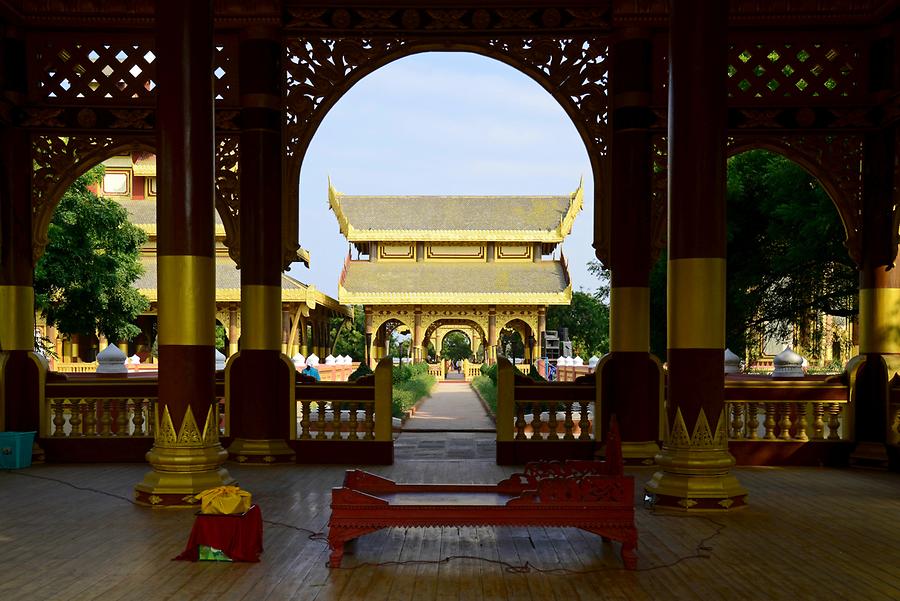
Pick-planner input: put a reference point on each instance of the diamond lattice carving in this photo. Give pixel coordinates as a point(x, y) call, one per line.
point(114, 70)
point(796, 70)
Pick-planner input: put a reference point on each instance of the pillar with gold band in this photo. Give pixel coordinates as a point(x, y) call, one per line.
point(695, 465)
point(630, 379)
point(871, 371)
point(21, 369)
point(186, 456)
point(260, 379)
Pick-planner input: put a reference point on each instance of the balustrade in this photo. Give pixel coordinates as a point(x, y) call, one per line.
point(89, 406)
point(336, 411)
point(437, 370)
point(788, 411)
point(543, 411)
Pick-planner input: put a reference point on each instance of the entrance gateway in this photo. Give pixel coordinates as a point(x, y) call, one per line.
point(434, 261)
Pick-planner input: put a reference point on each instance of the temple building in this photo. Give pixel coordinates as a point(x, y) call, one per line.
point(480, 262)
point(130, 179)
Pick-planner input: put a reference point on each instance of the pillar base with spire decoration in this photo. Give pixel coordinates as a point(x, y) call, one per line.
point(184, 463)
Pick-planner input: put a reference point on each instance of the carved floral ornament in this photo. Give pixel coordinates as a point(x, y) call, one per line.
point(59, 160)
point(834, 160)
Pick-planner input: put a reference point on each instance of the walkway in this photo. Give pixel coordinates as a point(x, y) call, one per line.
point(452, 406)
point(449, 425)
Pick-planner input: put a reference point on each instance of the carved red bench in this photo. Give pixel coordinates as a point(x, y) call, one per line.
point(592, 495)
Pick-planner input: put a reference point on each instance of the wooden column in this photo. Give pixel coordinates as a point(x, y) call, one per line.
point(20, 368)
point(490, 354)
point(370, 340)
point(186, 456)
point(630, 378)
point(232, 330)
point(261, 377)
point(879, 303)
point(417, 334)
point(695, 461)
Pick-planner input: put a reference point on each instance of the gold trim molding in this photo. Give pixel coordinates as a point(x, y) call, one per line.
point(696, 303)
point(187, 300)
point(16, 318)
point(189, 435)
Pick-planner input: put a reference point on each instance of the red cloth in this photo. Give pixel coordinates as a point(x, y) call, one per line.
point(238, 536)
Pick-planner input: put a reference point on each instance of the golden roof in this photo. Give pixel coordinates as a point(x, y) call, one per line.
point(228, 286)
point(389, 282)
point(545, 219)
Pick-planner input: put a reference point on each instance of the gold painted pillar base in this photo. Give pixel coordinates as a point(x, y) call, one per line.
point(179, 473)
point(640, 453)
point(261, 452)
point(695, 480)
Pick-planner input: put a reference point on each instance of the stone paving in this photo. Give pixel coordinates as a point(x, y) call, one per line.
point(451, 424)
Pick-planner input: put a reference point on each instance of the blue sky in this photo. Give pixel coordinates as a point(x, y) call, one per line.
point(441, 123)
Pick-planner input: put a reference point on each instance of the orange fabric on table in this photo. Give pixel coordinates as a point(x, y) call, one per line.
point(238, 536)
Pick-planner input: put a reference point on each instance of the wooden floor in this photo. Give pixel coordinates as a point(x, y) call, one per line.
point(807, 534)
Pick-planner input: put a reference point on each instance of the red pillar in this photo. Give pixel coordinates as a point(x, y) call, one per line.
point(20, 367)
point(629, 377)
point(695, 461)
point(261, 378)
point(186, 456)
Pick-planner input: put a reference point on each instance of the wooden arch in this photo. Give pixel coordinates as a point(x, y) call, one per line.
point(59, 161)
point(573, 68)
point(833, 161)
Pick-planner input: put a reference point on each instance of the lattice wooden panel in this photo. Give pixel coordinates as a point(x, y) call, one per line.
point(108, 71)
point(112, 70)
point(794, 71)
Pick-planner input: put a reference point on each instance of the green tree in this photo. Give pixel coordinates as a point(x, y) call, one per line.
point(587, 319)
point(352, 337)
point(456, 347)
point(83, 282)
point(510, 342)
point(785, 262)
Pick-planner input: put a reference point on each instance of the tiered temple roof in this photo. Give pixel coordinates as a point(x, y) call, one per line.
point(440, 250)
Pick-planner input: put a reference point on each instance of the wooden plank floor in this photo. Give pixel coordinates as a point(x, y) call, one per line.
point(807, 534)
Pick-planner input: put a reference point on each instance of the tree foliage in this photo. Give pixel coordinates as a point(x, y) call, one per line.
point(352, 337)
point(587, 319)
point(456, 347)
point(786, 263)
point(83, 282)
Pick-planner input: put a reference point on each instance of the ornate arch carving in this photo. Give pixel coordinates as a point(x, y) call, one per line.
point(572, 67)
point(528, 316)
point(834, 160)
point(59, 161)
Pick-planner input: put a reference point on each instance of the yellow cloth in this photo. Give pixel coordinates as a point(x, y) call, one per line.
point(224, 500)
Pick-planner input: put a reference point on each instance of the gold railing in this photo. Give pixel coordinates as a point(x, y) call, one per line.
point(437, 370)
point(337, 411)
point(797, 410)
point(336, 373)
point(75, 368)
point(568, 373)
point(470, 370)
point(545, 411)
point(96, 407)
